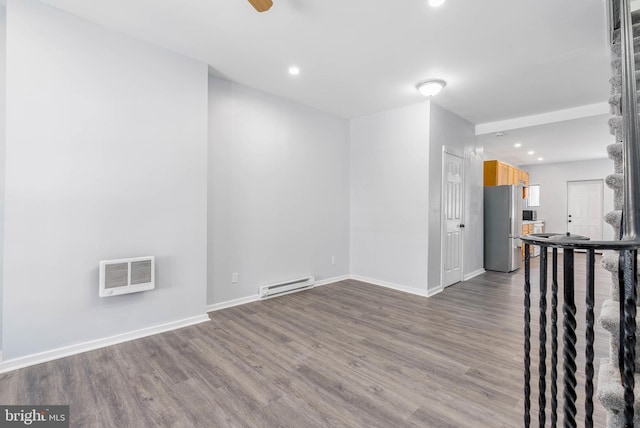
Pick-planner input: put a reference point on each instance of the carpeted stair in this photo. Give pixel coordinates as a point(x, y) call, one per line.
point(610, 394)
point(614, 151)
point(610, 391)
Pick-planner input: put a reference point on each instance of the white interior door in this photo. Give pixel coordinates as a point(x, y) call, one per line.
point(584, 208)
point(452, 218)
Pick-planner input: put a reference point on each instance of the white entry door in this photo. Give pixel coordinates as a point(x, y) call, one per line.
point(584, 208)
point(452, 218)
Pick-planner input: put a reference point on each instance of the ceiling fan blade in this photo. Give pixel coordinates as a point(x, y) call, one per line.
point(261, 5)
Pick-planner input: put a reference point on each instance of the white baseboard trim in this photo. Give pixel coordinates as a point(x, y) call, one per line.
point(473, 274)
point(391, 285)
point(66, 351)
point(256, 297)
point(331, 280)
point(232, 303)
point(435, 291)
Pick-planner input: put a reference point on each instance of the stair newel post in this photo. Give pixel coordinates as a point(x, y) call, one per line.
point(527, 338)
point(569, 341)
point(542, 366)
point(631, 210)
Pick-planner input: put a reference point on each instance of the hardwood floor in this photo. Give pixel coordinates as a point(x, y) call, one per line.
point(348, 354)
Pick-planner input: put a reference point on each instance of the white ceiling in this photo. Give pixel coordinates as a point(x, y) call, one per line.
point(570, 140)
point(502, 58)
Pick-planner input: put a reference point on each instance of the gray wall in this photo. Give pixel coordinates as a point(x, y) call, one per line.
point(3, 41)
point(390, 197)
point(553, 178)
point(450, 130)
point(278, 191)
point(106, 152)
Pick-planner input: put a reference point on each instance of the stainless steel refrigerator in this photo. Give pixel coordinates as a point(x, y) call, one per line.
point(502, 227)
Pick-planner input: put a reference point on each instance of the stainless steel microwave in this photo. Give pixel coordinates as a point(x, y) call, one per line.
point(529, 215)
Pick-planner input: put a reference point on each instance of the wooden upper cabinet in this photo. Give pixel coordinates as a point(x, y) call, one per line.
point(514, 175)
point(498, 173)
point(490, 173)
point(495, 173)
point(524, 178)
point(503, 173)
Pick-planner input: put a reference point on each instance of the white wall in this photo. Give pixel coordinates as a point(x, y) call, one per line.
point(390, 197)
point(553, 178)
point(491, 156)
point(3, 41)
point(473, 258)
point(450, 130)
point(278, 191)
point(106, 153)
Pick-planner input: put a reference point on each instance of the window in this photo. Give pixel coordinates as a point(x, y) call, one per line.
point(534, 195)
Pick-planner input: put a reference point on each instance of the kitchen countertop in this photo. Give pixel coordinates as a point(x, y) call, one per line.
point(532, 221)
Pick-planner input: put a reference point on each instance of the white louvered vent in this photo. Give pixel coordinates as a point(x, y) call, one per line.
point(286, 287)
point(125, 276)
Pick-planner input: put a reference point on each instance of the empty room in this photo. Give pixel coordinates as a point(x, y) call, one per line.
point(303, 213)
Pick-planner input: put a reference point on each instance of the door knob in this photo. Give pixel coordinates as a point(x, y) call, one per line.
point(569, 221)
point(461, 226)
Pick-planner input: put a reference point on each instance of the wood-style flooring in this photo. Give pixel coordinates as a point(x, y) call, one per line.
point(348, 354)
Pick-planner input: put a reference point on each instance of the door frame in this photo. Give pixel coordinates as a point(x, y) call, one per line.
point(452, 152)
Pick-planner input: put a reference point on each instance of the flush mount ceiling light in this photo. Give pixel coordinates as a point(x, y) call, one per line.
point(436, 3)
point(540, 159)
point(530, 152)
point(429, 88)
point(294, 70)
point(517, 145)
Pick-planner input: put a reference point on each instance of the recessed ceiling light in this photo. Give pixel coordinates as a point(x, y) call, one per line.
point(436, 3)
point(294, 70)
point(530, 152)
point(540, 159)
point(517, 145)
point(429, 88)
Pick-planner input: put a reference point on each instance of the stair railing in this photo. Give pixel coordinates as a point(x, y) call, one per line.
point(565, 287)
point(627, 264)
point(630, 126)
point(619, 12)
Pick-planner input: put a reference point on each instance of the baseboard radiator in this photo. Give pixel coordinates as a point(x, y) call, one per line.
point(286, 287)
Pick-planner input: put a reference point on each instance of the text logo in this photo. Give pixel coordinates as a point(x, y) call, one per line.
point(34, 416)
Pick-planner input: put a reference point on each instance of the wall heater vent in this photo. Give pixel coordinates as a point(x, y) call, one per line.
point(125, 276)
point(286, 287)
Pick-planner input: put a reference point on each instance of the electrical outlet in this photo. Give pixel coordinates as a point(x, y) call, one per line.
point(333, 260)
point(234, 278)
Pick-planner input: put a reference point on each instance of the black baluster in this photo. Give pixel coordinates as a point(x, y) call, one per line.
point(588, 401)
point(621, 264)
point(542, 367)
point(527, 338)
point(569, 341)
point(554, 337)
point(629, 338)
